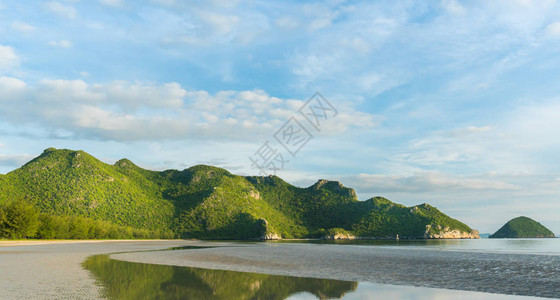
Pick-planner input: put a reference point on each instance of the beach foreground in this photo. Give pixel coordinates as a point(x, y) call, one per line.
point(52, 269)
point(45, 269)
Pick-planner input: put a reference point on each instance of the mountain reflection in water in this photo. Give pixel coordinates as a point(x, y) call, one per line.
point(129, 280)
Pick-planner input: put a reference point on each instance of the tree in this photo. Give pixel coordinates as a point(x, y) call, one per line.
point(19, 220)
point(3, 221)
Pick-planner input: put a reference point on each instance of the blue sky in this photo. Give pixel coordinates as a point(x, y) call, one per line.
point(454, 103)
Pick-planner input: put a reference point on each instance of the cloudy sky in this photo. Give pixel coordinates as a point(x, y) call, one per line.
point(454, 103)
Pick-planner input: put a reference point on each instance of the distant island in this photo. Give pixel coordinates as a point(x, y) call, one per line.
point(65, 194)
point(523, 227)
point(484, 235)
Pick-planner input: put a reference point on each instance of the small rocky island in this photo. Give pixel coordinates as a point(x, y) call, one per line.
point(523, 227)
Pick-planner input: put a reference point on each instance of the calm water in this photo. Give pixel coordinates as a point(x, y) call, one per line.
point(522, 246)
point(128, 280)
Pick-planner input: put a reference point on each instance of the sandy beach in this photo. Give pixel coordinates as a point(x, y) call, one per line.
point(52, 269)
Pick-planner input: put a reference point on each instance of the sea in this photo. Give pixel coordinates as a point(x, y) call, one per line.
point(526, 248)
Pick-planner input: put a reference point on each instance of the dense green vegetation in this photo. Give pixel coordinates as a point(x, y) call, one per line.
point(523, 227)
point(20, 220)
point(385, 219)
point(127, 280)
point(67, 189)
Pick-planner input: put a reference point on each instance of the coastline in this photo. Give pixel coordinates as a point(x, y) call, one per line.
point(31, 242)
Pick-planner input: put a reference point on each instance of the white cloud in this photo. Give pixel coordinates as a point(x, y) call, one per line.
point(319, 23)
point(8, 58)
point(61, 44)
point(122, 110)
point(60, 9)
point(319, 15)
point(286, 23)
point(164, 2)
point(534, 127)
point(211, 24)
point(10, 85)
point(222, 24)
point(453, 6)
point(553, 29)
point(518, 141)
point(142, 94)
point(113, 3)
point(428, 182)
point(390, 41)
point(22, 26)
point(70, 91)
point(443, 147)
point(12, 161)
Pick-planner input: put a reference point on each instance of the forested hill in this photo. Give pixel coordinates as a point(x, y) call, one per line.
point(523, 227)
point(74, 195)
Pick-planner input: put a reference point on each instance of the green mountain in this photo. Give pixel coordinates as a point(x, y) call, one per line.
point(73, 189)
point(523, 227)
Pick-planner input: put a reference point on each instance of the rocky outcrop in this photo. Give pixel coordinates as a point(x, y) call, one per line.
point(338, 234)
point(440, 232)
point(255, 194)
point(336, 187)
point(340, 237)
point(267, 233)
point(270, 236)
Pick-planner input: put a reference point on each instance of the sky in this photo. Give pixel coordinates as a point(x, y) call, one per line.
point(453, 103)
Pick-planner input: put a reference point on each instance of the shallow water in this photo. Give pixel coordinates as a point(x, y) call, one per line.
point(522, 246)
point(349, 269)
point(130, 280)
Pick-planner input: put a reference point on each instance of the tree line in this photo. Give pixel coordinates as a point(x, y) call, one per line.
point(21, 220)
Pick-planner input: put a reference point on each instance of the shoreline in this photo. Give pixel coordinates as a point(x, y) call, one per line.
point(29, 242)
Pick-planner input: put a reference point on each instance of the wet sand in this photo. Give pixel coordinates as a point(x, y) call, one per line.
point(52, 269)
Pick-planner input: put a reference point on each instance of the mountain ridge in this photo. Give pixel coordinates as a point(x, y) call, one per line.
point(209, 202)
